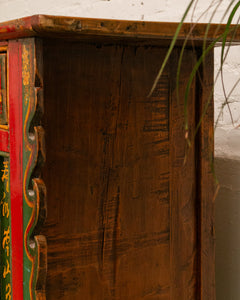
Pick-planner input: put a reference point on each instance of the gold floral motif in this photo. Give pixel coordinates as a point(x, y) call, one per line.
point(5, 176)
point(25, 63)
point(8, 292)
point(26, 72)
point(6, 270)
point(6, 238)
point(5, 233)
point(5, 210)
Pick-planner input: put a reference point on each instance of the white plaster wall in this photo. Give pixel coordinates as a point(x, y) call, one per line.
point(157, 10)
point(227, 139)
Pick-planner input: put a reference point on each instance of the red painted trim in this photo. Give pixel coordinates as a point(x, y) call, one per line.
point(1, 104)
point(1, 77)
point(16, 180)
point(3, 43)
point(4, 141)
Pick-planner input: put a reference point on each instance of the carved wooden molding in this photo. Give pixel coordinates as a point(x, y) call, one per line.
point(34, 198)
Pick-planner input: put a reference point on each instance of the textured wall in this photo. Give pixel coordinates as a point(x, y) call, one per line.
point(227, 136)
point(227, 229)
point(227, 141)
point(158, 10)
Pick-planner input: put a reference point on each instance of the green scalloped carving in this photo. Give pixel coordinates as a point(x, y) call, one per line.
point(34, 192)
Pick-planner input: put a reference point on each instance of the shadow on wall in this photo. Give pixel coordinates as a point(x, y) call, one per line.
point(228, 229)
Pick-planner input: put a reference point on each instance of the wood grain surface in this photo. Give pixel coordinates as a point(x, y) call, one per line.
point(207, 187)
point(183, 214)
point(122, 185)
point(108, 172)
point(81, 28)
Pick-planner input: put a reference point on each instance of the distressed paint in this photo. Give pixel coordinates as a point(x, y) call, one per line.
point(29, 156)
point(26, 190)
point(33, 187)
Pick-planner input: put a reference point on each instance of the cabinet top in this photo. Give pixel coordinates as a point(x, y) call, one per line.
point(82, 28)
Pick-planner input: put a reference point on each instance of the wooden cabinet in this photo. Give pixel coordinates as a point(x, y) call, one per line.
point(129, 205)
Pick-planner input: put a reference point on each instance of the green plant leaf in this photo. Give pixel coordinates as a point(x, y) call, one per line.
point(227, 28)
point(171, 47)
point(192, 75)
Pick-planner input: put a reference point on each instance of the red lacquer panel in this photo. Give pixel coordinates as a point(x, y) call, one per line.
point(15, 134)
point(4, 141)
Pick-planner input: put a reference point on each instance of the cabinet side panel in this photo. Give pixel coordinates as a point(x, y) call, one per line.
point(183, 183)
point(206, 181)
point(107, 172)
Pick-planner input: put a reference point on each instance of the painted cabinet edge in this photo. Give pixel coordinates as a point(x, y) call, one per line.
point(27, 154)
point(206, 185)
point(204, 190)
point(76, 28)
point(183, 239)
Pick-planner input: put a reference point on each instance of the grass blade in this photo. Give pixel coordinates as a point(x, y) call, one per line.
point(226, 31)
point(171, 47)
